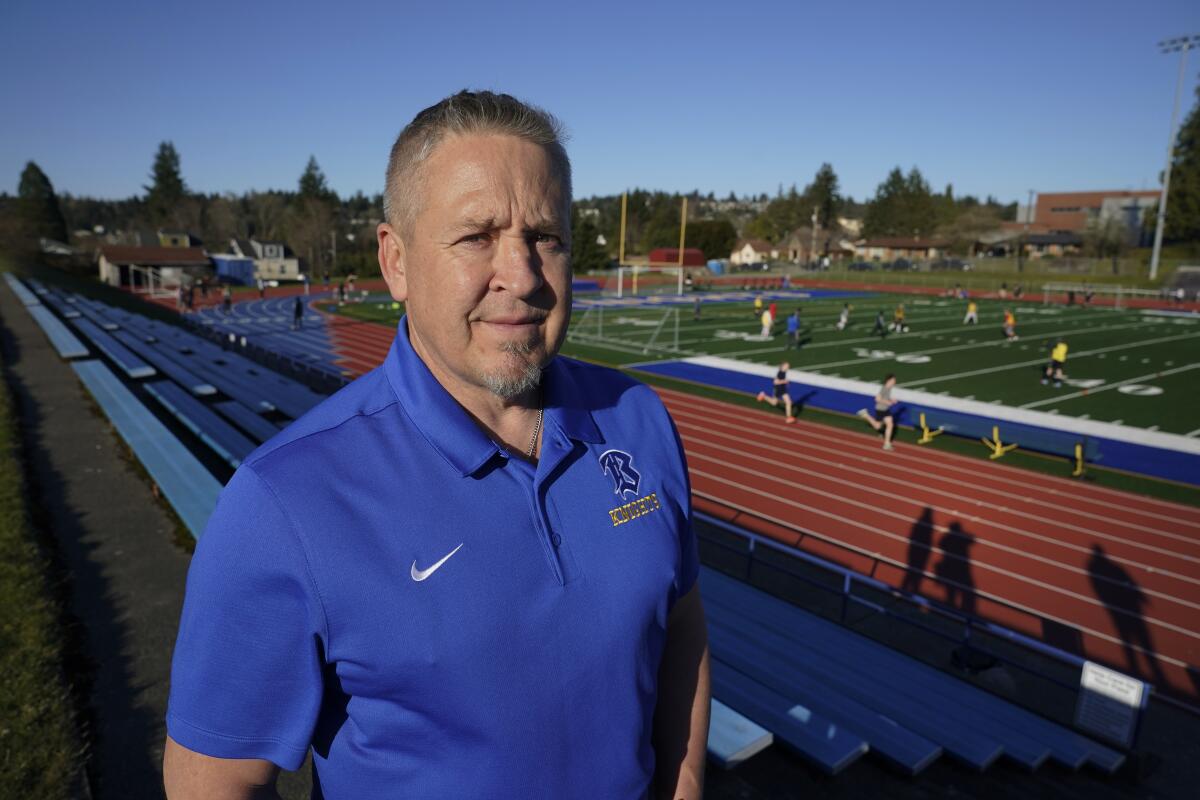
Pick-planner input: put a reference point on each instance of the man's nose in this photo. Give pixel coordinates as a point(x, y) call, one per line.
point(518, 266)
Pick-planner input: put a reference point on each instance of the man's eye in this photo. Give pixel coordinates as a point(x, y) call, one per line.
point(547, 238)
point(474, 238)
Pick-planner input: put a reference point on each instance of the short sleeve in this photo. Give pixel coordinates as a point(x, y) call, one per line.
point(246, 676)
point(689, 557)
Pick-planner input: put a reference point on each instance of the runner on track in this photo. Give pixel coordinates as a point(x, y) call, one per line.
point(780, 392)
point(884, 405)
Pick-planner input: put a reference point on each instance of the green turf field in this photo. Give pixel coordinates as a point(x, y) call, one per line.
point(1123, 366)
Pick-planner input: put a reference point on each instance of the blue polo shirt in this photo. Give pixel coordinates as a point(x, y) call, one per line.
point(384, 584)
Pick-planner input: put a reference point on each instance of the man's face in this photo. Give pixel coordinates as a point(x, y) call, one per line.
point(485, 269)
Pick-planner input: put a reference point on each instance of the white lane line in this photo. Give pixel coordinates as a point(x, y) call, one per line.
point(1024, 485)
point(1100, 352)
point(1108, 386)
point(871, 485)
point(976, 562)
point(1193, 433)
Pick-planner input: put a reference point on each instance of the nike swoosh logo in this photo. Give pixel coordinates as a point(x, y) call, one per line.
point(419, 575)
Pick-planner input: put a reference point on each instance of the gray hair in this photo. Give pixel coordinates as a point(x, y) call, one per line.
point(465, 112)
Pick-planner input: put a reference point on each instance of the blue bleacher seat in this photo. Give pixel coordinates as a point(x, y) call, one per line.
point(732, 738)
point(180, 374)
point(875, 670)
point(223, 438)
point(259, 428)
point(829, 746)
point(26, 297)
point(189, 487)
point(63, 340)
point(120, 355)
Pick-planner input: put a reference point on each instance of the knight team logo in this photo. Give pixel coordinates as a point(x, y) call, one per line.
point(619, 466)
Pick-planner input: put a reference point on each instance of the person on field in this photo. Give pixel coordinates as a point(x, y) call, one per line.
point(972, 316)
point(768, 323)
point(898, 319)
point(880, 327)
point(472, 572)
point(843, 317)
point(884, 420)
point(793, 329)
point(779, 393)
point(1058, 358)
point(1010, 325)
point(758, 306)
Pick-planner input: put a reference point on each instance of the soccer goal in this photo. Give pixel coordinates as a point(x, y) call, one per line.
point(1103, 296)
point(654, 330)
point(649, 280)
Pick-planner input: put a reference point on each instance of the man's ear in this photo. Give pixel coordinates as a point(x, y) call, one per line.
point(392, 261)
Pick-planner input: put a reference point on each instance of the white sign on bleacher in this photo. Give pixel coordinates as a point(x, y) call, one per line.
point(1109, 703)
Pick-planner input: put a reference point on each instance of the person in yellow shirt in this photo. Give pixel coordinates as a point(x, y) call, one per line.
point(758, 306)
point(972, 317)
point(1058, 356)
point(898, 320)
point(1010, 325)
point(767, 323)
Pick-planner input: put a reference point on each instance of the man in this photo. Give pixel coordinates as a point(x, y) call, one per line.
point(884, 411)
point(779, 393)
point(768, 323)
point(297, 314)
point(879, 328)
point(898, 319)
point(1010, 325)
point(972, 315)
point(843, 317)
point(1058, 358)
point(793, 329)
point(470, 573)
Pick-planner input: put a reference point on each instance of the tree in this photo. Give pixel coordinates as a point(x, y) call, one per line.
point(167, 189)
point(1107, 237)
point(586, 254)
point(1183, 199)
point(715, 237)
point(903, 206)
point(313, 217)
point(38, 210)
point(313, 185)
point(823, 194)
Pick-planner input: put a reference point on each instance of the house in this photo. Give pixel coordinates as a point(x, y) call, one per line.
point(750, 251)
point(272, 260)
point(167, 238)
point(1039, 245)
point(1076, 212)
point(148, 268)
point(889, 248)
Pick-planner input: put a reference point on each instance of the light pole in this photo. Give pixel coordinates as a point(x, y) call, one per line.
point(1180, 45)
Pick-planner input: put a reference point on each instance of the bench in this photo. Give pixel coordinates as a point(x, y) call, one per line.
point(259, 429)
point(176, 372)
point(1003, 437)
point(811, 651)
point(189, 487)
point(732, 738)
point(118, 353)
point(23, 294)
point(65, 342)
point(829, 746)
point(225, 440)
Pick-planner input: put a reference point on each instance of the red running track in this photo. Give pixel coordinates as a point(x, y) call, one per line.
point(1105, 574)
point(1012, 547)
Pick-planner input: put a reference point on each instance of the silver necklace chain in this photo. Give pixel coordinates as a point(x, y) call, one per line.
point(537, 428)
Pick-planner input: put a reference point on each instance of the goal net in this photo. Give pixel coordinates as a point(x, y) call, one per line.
point(634, 280)
point(1082, 294)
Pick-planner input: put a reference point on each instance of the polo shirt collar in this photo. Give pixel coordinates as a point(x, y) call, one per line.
point(447, 426)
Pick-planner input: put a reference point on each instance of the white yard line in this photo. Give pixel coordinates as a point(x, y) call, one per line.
point(1107, 386)
point(1166, 441)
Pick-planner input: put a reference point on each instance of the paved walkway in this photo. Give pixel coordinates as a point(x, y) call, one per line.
point(126, 575)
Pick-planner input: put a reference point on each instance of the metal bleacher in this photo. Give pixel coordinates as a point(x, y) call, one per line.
point(824, 690)
point(225, 440)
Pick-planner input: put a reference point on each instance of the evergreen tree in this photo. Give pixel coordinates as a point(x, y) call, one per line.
point(37, 207)
point(903, 206)
point(1183, 199)
point(586, 254)
point(167, 189)
point(823, 194)
point(714, 237)
point(313, 185)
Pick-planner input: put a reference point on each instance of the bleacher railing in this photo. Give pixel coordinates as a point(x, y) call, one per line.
point(972, 627)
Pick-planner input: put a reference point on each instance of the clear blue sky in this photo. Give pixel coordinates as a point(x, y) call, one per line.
point(996, 98)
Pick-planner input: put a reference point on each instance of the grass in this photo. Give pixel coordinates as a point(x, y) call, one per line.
point(40, 750)
point(1017, 386)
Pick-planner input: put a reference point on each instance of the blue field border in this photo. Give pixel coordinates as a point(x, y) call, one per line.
point(1141, 459)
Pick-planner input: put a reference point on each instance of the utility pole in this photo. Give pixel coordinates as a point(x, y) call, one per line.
point(1180, 45)
point(682, 232)
point(812, 249)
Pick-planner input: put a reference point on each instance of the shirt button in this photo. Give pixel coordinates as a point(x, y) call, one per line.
point(555, 539)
